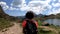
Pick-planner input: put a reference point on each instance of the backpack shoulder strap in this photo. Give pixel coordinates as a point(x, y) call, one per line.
point(36, 23)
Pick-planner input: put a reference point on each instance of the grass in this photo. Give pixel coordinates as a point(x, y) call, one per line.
point(41, 31)
point(5, 24)
point(56, 27)
point(39, 23)
point(45, 31)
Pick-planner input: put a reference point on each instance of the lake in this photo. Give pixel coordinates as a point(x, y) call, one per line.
point(53, 21)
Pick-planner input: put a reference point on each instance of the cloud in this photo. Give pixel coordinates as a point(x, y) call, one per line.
point(4, 5)
point(56, 8)
point(13, 8)
point(37, 6)
point(38, 0)
point(56, 4)
point(17, 3)
point(55, 11)
point(59, 0)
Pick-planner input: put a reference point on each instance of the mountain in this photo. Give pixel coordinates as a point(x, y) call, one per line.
point(5, 16)
point(52, 16)
point(39, 15)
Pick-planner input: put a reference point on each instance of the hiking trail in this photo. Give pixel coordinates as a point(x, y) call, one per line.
point(15, 29)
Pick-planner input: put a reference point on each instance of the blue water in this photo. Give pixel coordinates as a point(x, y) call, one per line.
point(53, 21)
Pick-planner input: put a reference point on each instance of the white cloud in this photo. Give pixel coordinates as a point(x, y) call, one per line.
point(55, 11)
point(39, 6)
point(56, 5)
point(42, 2)
point(16, 3)
point(12, 8)
point(54, 0)
point(36, 6)
point(38, 0)
point(59, 0)
point(4, 5)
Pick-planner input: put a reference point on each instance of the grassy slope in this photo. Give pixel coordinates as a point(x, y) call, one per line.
point(41, 31)
point(4, 23)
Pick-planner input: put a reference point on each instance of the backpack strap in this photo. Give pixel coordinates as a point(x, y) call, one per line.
point(25, 21)
point(35, 22)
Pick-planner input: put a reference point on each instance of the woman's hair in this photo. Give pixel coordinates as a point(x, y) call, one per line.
point(29, 15)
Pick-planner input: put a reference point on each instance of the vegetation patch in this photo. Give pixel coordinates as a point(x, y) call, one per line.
point(5, 24)
point(45, 31)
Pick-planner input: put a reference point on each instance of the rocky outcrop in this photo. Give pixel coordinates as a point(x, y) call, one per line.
point(4, 15)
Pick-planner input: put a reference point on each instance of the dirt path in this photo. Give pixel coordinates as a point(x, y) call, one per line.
point(16, 29)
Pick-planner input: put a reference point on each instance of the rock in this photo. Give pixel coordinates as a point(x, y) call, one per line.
point(45, 24)
point(5, 30)
point(46, 30)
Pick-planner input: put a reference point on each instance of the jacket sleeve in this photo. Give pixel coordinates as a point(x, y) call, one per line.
point(23, 23)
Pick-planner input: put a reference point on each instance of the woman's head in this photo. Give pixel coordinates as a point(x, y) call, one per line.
point(29, 15)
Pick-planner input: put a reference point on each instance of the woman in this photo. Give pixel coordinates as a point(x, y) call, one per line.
point(29, 25)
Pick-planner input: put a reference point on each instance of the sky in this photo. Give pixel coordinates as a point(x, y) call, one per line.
point(20, 7)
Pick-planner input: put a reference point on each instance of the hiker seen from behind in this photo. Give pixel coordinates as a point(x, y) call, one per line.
point(29, 24)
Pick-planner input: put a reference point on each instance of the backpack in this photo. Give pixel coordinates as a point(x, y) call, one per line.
point(30, 27)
